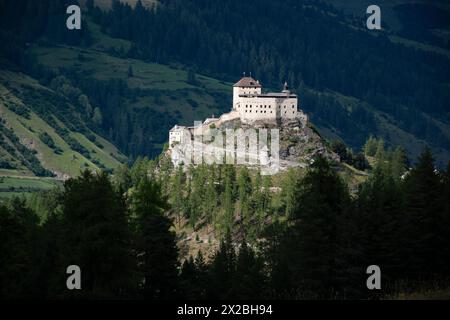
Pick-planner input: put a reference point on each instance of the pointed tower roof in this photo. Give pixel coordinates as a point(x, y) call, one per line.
point(247, 82)
point(286, 88)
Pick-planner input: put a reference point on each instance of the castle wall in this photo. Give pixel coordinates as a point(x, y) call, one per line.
point(266, 108)
point(287, 108)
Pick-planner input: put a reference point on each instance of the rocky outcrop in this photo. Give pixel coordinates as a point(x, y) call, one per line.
point(298, 141)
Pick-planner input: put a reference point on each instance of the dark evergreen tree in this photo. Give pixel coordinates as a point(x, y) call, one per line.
point(222, 270)
point(18, 247)
point(97, 237)
point(421, 219)
point(248, 279)
point(156, 245)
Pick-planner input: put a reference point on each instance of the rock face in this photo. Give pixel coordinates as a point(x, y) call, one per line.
point(302, 143)
point(298, 143)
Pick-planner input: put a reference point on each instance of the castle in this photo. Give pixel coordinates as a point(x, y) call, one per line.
point(250, 106)
point(253, 105)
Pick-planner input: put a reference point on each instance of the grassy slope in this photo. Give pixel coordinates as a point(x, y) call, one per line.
point(177, 99)
point(69, 162)
point(17, 186)
point(177, 94)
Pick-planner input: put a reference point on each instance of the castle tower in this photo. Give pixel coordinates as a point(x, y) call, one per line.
point(286, 89)
point(246, 87)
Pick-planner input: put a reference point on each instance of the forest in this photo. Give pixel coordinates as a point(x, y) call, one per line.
point(312, 240)
point(305, 234)
point(307, 44)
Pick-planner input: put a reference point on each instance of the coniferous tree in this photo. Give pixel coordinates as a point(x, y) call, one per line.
point(156, 245)
point(97, 237)
point(377, 215)
point(444, 229)
point(248, 280)
point(421, 218)
point(222, 270)
point(18, 235)
point(244, 184)
point(312, 243)
point(370, 148)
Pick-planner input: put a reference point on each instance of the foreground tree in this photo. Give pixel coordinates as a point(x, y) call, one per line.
point(309, 248)
point(156, 245)
point(96, 237)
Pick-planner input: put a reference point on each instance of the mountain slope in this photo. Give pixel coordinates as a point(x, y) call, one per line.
point(312, 46)
point(36, 141)
point(147, 70)
point(139, 100)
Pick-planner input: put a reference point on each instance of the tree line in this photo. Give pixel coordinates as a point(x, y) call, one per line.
point(307, 45)
point(316, 243)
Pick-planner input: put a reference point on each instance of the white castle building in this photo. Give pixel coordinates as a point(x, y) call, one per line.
point(250, 106)
point(253, 105)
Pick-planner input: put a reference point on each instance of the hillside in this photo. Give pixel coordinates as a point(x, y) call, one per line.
point(140, 100)
point(43, 134)
point(388, 89)
point(141, 94)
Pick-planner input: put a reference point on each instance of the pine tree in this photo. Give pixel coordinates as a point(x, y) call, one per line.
point(377, 215)
point(380, 153)
point(97, 237)
point(370, 148)
point(421, 218)
point(211, 195)
point(313, 241)
point(176, 193)
point(187, 280)
point(444, 229)
point(228, 197)
point(248, 280)
point(18, 235)
point(222, 270)
point(288, 192)
point(399, 163)
point(244, 184)
point(157, 250)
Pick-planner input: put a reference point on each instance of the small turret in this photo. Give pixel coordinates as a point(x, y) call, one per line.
point(286, 88)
